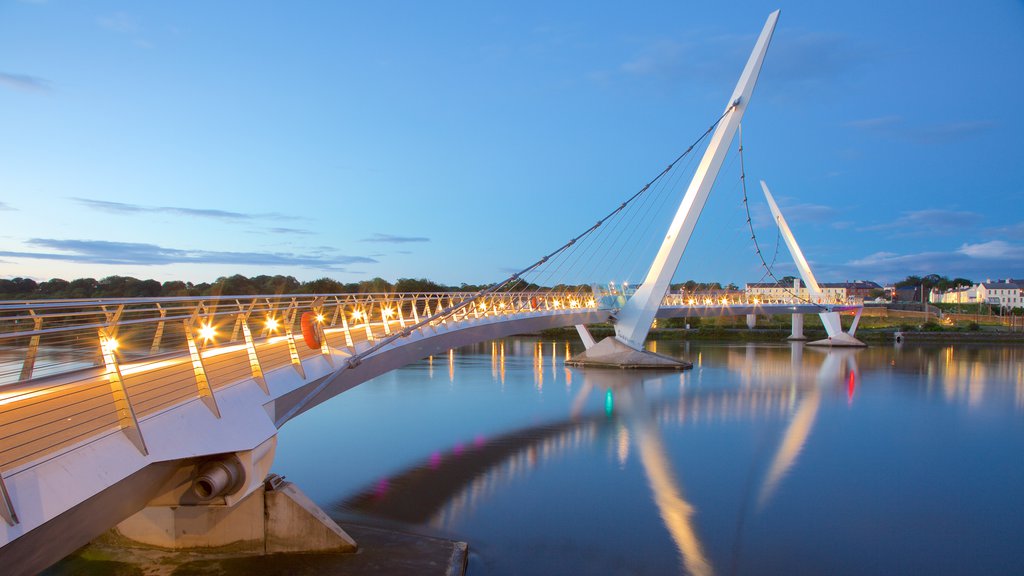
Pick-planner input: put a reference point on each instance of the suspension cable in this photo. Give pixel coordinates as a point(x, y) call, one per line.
point(753, 235)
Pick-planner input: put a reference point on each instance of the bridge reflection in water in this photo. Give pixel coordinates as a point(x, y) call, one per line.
point(635, 421)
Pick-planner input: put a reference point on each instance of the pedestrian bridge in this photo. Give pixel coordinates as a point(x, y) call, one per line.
point(109, 405)
point(160, 416)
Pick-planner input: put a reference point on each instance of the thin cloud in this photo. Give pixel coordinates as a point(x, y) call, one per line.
point(105, 252)
point(126, 25)
point(930, 221)
point(814, 57)
point(289, 231)
point(798, 59)
point(4, 206)
point(897, 128)
point(119, 22)
point(24, 82)
point(393, 239)
point(979, 260)
point(1015, 231)
point(225, 215)
point(993, 250)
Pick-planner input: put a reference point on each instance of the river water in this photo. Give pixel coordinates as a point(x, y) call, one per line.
point(763, 459)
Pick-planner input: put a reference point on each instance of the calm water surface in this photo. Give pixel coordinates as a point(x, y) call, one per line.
point(764, 459)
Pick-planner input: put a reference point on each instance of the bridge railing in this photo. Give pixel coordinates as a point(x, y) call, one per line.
point(43, 338)
point(741, 299)
point(71, 369)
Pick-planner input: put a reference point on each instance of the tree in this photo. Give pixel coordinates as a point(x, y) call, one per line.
point(275, 284)
point(174, 288)
point(322, 286)
point(83, 288)
point(419, 285)
point(55, 288)
point(234, 285)
point(377, 285)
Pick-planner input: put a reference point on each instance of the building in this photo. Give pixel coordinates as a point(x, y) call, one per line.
point(968, 295)
point(1008, 293)
point(832, 292)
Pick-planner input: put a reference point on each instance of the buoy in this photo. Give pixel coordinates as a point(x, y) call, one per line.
point(533, 302)
point(309, 332)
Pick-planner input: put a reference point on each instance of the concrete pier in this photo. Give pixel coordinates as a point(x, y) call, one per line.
point(798, 328)
point(611, 353)
point(277, 517)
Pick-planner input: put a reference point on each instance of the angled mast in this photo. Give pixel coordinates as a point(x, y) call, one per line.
point(798, 255)
point(634, 319)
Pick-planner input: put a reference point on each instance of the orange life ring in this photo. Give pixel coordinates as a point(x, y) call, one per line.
point(309, 332)
point(533, 302)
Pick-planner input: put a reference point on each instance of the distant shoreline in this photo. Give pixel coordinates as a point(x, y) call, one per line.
point(868, 336)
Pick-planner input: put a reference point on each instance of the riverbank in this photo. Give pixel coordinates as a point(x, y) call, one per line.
point(382, 552)
point(870, 336)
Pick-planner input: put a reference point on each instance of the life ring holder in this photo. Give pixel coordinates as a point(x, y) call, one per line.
point(309, 332)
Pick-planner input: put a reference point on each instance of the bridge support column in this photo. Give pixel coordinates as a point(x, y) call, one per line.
point(588, 340)
point(751, 321)
point(276, 517)
point(798, 328)
point(836, 336)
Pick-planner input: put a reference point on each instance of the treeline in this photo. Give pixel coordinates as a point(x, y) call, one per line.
point(129, 287)
point(934, 281)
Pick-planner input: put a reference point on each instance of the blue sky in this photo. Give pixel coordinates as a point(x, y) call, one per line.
point(458, 140)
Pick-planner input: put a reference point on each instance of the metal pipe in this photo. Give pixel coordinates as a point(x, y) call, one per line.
point(217, 478)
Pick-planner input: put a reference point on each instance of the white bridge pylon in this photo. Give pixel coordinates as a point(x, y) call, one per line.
point(829, 316)
point(635, 317)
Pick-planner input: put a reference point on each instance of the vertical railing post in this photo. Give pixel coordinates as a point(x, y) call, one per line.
point(199, 370)
point(6, 506)
point(366, 317)
point(337, 311)
point(271, 313)
point(401, 316)
point(385, 311)
point(290, 337)
point(254, 359)
point(126, 419)
point(348, 333)
point(325, 348)
point(159, 334)
point(33, 348)
point(415, 314)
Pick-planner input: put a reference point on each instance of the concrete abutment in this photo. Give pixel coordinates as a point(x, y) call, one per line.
point(276, 517)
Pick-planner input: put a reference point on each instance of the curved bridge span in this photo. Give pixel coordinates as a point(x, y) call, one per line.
point(107, 405)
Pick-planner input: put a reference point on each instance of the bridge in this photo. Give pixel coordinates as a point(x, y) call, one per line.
point(159, 416)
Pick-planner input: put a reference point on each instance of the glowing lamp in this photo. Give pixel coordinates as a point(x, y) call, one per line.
point(207, 332)
point(271, 323)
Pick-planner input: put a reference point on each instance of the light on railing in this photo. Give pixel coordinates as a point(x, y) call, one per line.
point(724, 301)
point(112, 344)
point(756, 301)
point(207, 332)
point(357, 315)
point(692, 301)
point(558, 303)
point(388, 312)
point(320, 318)
point(502, 305)
point(271, 324)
